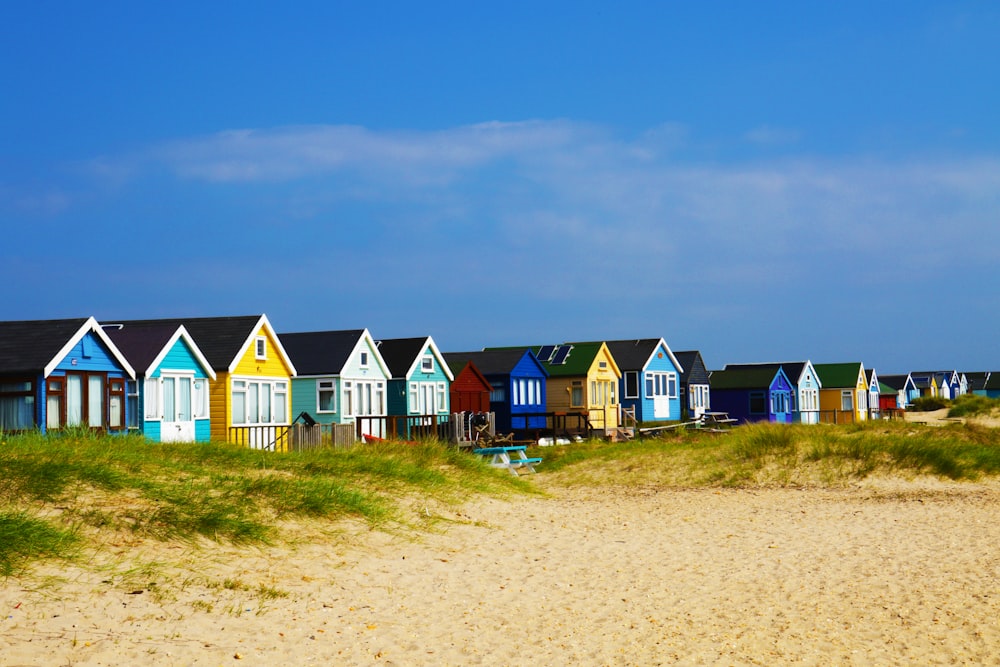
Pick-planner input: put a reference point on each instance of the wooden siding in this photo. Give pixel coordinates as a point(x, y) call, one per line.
point(219, 409)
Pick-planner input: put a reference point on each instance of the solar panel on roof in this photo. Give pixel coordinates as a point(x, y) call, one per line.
point(545, 353)
point(561, 354)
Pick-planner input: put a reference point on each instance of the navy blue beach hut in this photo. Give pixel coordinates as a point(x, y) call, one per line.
point(753, 394)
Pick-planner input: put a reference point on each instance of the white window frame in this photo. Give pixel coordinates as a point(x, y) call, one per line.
point(363, 359)
point(634, 375)
point(327, 386)
point(427, 363)
point(271, 400)
point(260, 348)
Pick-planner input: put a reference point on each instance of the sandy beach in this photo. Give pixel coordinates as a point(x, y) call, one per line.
point(888, 573)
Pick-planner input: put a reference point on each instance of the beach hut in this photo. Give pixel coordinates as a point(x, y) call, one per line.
point(57, 374)
point(249, 400)
point(843, 397)
point(806, 383)
point(341, 378)
point(650, 384)
point(517, 386)
point(696, 390)
point(172, 378)
point(753, 393)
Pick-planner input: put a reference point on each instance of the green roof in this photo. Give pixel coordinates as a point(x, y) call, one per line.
point(834, 376)
point(578, 362)
point(743, 378)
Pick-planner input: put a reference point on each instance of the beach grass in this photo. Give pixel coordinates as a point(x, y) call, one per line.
point(57, 489)
point(783, 455)
point(61, 494)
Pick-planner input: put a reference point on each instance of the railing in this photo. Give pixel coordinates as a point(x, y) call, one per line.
point(836, 416)
point(294, 438)
point(415, 427)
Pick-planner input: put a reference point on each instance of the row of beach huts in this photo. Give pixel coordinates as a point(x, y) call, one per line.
point(236, 379)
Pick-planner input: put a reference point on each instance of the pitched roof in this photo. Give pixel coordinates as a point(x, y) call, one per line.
point(976, 379)
point(635, 354)
point(497, 361)
point(400, 355)
point(33, 346)
point(748, 377)
point(29, 345)
point(689, 360)
point(793, 369)
point(897, 382)
point(221, 339)
point(834, 376)
point(320, 352)
point(577, 361)
point(141, 345)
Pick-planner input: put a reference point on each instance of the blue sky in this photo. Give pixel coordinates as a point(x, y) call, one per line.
point(757, 180)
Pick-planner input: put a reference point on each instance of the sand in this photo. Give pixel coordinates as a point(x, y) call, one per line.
point(889, 573)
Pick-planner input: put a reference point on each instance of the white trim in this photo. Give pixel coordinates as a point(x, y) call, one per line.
point(275, 341)
point(89, 325)
point(181, 334)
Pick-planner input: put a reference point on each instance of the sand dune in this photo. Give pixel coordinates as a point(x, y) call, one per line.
point(887, 573)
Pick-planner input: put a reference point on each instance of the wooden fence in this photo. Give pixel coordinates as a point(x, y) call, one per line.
point(836, 416)
point(294, 438)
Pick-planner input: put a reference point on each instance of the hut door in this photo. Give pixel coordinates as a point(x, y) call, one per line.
point(178, 422)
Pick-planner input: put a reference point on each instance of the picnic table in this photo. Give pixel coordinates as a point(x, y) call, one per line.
point(511, 457)
point(717, 421)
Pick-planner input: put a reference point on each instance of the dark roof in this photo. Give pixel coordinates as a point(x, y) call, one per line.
point(632, 354)
point(690, 360)
point(400, 353)
point(793, 369)
point(28, 346)
point(498, 361)
point(756, 377)
point(140, 345)
point(976, 379)
point(835, 376)
point(220, 339)
point(897, 382)
point(320, 352)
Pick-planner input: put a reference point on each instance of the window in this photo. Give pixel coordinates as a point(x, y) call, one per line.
point(55, 401)
point(363, 360)
point(260, 348)
point(576, 394)
point(199, 398)
point(151, 388)
point(442, 397)
point(779, 402)
point(758, 403)
point(699, 395)
point(116, 403)
point(631, 384)
point(81, 398)
point(364, 398)
point(132, 404)
point(661, 385)
point(498, 393)
point(326, 396)
point(414, 398)
point(260, 401)
point(17, 405)
point(427, 364)
point(846, 400)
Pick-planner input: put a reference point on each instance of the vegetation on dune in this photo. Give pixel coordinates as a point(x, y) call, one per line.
point(55, 489)
point(783, 455)
point(62, 494)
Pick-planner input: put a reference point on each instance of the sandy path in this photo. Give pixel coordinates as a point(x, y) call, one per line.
point(902, 575)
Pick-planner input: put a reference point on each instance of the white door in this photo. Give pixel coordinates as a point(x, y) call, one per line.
point(178, 421)
point(661, 407)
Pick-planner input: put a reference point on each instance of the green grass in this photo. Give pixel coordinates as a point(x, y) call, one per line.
point(970, 405)
point(783, 455)
point(109, 487)
point(60, 495)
